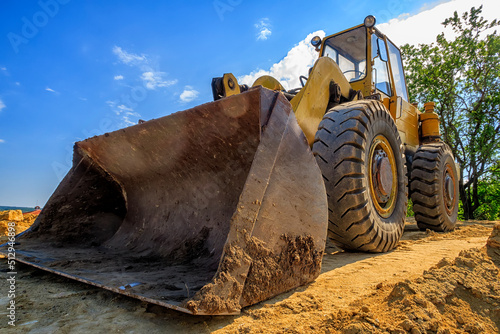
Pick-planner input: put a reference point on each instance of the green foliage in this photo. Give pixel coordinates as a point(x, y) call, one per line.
point(463, 77)
point(409, 212)
point(489, 197)
point(461, 215)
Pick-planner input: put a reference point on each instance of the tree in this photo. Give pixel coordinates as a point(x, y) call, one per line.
point(463, 77)
point(489, 197)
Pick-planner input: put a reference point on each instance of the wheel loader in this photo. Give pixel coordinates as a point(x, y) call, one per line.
point(230, 203)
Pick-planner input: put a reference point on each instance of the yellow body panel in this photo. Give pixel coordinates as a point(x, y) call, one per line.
point(268, 82)
point(407, 124)
point(386, 102)
point(311, 102)
point(230, 83)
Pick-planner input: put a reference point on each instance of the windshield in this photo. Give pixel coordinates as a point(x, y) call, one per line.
point(397, 71)
point(380, 65)
point(349, 52)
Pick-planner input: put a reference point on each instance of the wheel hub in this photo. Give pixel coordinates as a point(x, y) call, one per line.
point(382, 172)
point(448, 189)
point(382, 176)
point(448, 182)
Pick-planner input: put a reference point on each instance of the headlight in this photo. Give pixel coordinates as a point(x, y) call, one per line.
point(316, 41)
point(370, 21)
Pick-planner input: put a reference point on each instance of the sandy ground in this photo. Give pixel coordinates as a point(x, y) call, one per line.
point(431, 283)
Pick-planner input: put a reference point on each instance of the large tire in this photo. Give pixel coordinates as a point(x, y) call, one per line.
point(434, 187)
point(359, 152)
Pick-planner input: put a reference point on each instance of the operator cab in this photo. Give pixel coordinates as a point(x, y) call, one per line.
point(351, 48)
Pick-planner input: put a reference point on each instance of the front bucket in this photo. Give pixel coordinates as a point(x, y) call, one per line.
point(204, 211)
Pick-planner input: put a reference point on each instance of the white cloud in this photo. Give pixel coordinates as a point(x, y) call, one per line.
point(423, 27)
point(2, 141)
point(126, 113)
point(127, 118)
point(289, 69)
point(121, 108)
point(48, 89)
point(264, 33)
point(18, 83)
point(189, 94)
point(2, 105)
point(264, 29)
point(3, 68)
point(153, 79)
point(118, 108)
point(128, 58)
point(127, 121)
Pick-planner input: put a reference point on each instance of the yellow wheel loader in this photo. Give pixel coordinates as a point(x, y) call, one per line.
point(218, 207)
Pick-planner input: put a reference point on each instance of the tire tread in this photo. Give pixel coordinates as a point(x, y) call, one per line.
point(340, 147)
point(425, 181)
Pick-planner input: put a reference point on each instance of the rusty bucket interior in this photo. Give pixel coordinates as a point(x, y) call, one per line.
point(205, 211)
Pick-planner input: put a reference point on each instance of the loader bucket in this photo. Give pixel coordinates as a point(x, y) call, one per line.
point(204, 211)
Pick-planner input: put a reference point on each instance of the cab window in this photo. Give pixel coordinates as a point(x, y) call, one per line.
point(397, 71)
point(348, 49)
point(380, 66)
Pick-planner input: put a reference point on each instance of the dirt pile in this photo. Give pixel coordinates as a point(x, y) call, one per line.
point(13, 215)
point(394, 292)
point(460, 295)
point(17, 220)
point(455, 296)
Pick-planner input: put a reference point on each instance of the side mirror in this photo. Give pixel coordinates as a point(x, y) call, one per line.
point(382, 51)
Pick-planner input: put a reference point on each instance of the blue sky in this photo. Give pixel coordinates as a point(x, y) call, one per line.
point(74, 69)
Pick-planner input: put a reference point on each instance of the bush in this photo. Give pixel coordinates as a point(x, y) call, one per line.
point(410, 212)
point(489, 194)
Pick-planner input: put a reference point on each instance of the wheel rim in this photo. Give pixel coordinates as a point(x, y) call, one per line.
point(449, 189)
point(382, 176)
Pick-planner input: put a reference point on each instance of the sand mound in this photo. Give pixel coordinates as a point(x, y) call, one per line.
point(15, 217)
point(356, 293)
point(460, 295)
point(455, 296)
